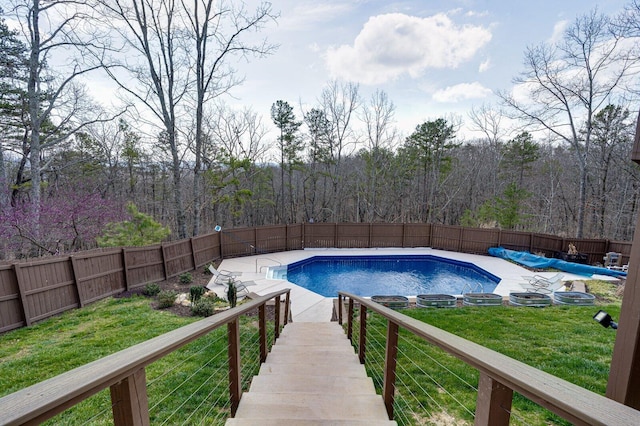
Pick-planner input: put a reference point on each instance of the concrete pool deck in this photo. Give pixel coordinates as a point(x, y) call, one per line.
point(307, 306)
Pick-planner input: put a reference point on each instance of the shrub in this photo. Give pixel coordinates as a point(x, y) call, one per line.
point(166, 298)
point(232, 293)
point(186, 278)
point(151, 289)
point(203, 307)
point(141, 230)
point(196, 293)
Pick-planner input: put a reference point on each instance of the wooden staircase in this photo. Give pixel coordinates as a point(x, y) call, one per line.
point(311, 377)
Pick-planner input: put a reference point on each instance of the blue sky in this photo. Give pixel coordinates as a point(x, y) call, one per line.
point(432, 58)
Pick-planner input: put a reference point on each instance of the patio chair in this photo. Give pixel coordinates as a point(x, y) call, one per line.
point(540, 284)
point(221, 276)
point(613, 260)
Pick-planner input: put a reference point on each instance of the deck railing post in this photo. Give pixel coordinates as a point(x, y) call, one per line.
point(130, 405)
point(391, 354)
point(493, 405)
point(340, 309)
point(262, 320)
point(362, 344)
point(235, 387)
point(350, 320)
point(277, 319)
point(287, 301)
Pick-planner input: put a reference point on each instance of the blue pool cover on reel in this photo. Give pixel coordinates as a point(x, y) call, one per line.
point(534, 261)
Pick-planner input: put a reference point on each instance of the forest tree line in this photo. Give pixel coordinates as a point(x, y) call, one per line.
point(556, 163)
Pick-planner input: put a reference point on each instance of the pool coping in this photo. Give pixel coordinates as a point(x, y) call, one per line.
point(307, 306)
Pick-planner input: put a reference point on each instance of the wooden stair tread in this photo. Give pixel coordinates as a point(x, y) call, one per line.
point(305, 422)
point(311, 384)
point(310, 406)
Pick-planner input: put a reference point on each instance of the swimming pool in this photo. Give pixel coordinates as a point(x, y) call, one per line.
point(406, 275)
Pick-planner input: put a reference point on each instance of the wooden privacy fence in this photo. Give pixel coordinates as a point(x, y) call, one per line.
point(35, 290)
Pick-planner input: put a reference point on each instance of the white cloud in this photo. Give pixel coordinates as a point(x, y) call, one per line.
point(485, 65)
point(461, 92)
point(307, 14)
point(558, 31)
point(394, 44)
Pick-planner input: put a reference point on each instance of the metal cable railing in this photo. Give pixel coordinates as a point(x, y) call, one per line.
point(416, 368)
point(205, 368)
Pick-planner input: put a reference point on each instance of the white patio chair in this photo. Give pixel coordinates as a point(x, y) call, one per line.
point(540, 284)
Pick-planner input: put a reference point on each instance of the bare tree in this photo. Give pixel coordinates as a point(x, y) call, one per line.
point(378, 118)
point(339, 103)
point(54, 30)
point(218, 30)
point(156, 75)
point(567, 82)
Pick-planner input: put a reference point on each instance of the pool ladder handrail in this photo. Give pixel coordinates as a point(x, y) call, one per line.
point(278, 263)
point(471, 289)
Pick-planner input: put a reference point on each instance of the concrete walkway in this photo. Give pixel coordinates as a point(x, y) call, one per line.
point(308, 306)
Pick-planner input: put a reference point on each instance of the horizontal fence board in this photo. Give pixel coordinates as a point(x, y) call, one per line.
point(238, 242)
point(352, 235)
point(177, 257)
point(320, 235)
point(478, 241)
point(206, 248)
point(271, 239)
point(417, 235)
point(48, 288)
point(99, 276)
point(11, 313)
point(386, 235)
point(144, 265)
point(445, 237)
point(515, 240)
point(295, 236)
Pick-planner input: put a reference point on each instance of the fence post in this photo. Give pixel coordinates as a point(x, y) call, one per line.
point(339, 309)
point(23, 297)
point(126, 269)
point(235, 386)
point(493, 405)
point(129, 398)
point(74, 271)
point(390, 358)
point(193, 254)
point(362, 344)
point(164, 261)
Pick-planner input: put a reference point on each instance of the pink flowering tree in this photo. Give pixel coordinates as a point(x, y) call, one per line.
point(69, 219)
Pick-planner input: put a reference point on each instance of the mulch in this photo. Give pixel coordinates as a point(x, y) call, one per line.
point(199, 278)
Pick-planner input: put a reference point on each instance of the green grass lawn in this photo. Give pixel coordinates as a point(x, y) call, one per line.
point(182, 387)
point(563, 341)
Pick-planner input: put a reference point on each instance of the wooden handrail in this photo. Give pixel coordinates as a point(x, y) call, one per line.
point(571, 402)
point(36, 403)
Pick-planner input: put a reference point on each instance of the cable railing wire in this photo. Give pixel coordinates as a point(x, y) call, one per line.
point(180, 364)
point(175, 389)
point(432, 378)
point(206, 398)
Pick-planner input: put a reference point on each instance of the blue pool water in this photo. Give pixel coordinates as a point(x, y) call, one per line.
point(389, 275)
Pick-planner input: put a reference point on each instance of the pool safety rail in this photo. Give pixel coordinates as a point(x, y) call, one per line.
point(124, 372)
point(499, 375)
